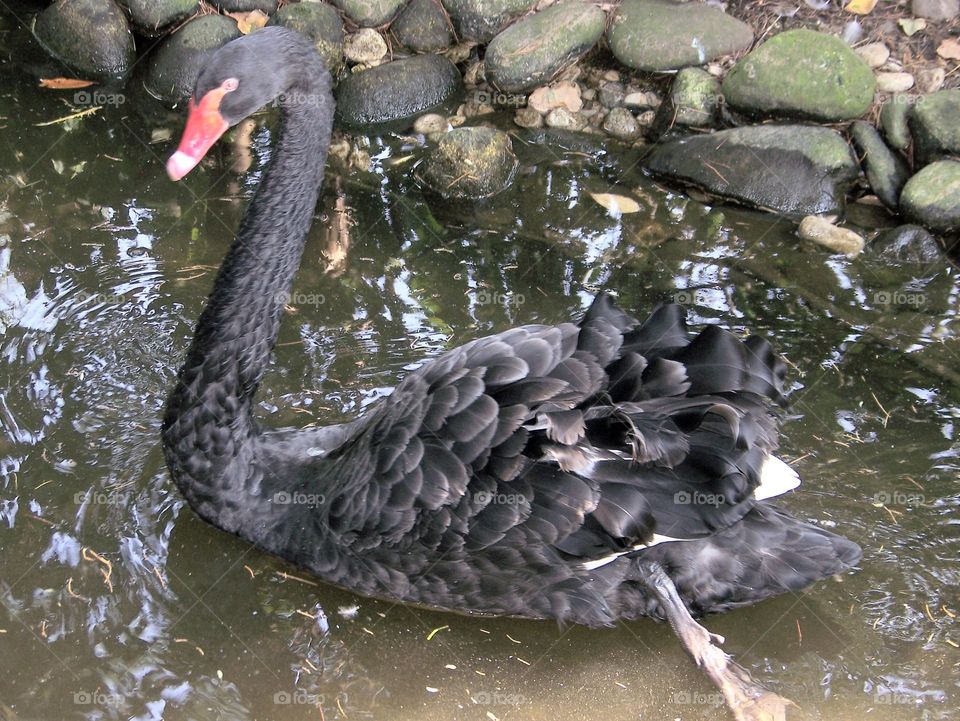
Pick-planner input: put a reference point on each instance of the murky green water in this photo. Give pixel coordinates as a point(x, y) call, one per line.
point(116, 602)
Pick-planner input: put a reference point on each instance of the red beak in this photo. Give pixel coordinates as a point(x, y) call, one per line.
point(205, 125)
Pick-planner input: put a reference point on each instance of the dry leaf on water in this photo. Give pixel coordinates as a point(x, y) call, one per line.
point(64, 83)
point(248, 22)
point(949, 49)
point(617, 204)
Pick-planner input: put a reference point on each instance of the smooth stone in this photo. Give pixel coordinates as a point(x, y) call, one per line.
point(560, 95)
point(894, 82)
point(693, 101)
point(423, 27)
point(430, 123)
point(480, 20)
point(366, 46)
point(822, 232)
point(932, 196)
point(245, 6)
point(474, 163)
point(621, 124)
point(936, 9)
point(801, 73)
point(886, 171)
point(662, 35)
point(528, 118)
point(565, 120)
point(172, 70)
point(935, 125)
point(369, 13)
point(893, 120)
point(930, 80)
point(794, 170)
point(320, 24)
point(91, 36)
point(152, 16)
point(874, 54)
point(642, 100)
point(612, 95)
point(531, 52)
point(397, 91)
point(906, 244)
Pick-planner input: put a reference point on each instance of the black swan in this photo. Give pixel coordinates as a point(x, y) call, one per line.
point(586, 472)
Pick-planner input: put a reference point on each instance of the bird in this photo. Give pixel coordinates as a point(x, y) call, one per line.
point(591, 471)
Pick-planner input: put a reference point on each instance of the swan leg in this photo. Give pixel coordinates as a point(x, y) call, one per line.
point(744, 697)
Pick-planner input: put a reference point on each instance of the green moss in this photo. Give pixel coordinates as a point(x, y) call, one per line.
point(932, 196)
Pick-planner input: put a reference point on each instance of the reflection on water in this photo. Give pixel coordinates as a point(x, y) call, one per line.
point(117, 603)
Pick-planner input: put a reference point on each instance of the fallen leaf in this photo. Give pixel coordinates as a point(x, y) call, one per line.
point(616, 204)
point(949, 49)
point(248, 22)
point(911, 26)
point(861, 7)
point(64, 83)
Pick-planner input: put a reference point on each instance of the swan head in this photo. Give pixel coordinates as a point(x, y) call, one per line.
point(273, 63)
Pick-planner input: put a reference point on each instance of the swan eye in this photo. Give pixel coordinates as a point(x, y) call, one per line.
point(230, 84)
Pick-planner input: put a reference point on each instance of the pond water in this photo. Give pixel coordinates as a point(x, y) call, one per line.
point(116, 602)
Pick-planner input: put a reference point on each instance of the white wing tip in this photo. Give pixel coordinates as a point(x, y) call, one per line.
point(776, 478)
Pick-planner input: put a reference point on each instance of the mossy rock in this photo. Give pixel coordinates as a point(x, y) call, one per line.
point(92, 37)
point(470, 163)
point(369, 13)
point(894, 120)
point(885, 170)
point(935, 124)
point(693, 101)
point(480, 20)
point(243, 6)
point(802, 73)
point(932, 196)
point(173, 68)
point(655, 35)
point(394, 93)
point(423, 26)
point(530, 52)
point(318, 22)
point(150, 17)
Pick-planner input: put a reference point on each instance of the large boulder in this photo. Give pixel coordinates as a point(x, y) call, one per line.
point(396, 92)
point(150, 17)
point(794, 170)
point(423, 27)
point(369, 13)
point(935, 125)
point(480, 20)
point(932, 196)
point(319, 23)
point(90, 36)
point(801, 73)
point(472, 163)
point(885, 170)
point(531, 52)
point(664, 35)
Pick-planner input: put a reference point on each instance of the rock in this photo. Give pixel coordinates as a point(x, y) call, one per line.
point(936, 9)
point(243, 6)
point(612, 95)
point(801, 73)
point(565, 120)
point(431, 123)
point(795, 170)
point(480, 20)
point(369, 13)
point(662, 35)
point(874, 54)
point(693, 101)
point(90, 36)
point(934, 125)
point(930, 80)
point(932, 196)
point(366, 46)
point(646, 118)
point(473, 163)
point(894, 82)
point(528, 118)
point(395, 92)
point(885, 170)
point(151, 16)
point(531, 52)
point(621, 124)
point(643, 100)
point(893, 120)
point(906, 244)
point(825, 233)
point(172, 70)
point(320, 24)
point(423, 27)
point(559, 95)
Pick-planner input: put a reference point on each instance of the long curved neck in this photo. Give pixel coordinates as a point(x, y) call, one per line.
point(208, 430)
